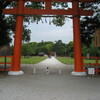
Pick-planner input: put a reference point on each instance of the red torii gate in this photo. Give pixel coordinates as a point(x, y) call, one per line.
point(21, 10)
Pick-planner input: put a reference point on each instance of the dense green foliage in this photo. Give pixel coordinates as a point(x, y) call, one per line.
point(33, 48)
point(7, 25)
point(92, 50)
point(61, 49)
point(90, 23)
point(4, 25)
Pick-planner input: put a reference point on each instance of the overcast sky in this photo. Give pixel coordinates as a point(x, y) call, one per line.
point(46, 32)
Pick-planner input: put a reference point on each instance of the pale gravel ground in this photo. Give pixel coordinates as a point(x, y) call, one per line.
point(48, 87)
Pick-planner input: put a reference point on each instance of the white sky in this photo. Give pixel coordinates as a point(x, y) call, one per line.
point(46, 32)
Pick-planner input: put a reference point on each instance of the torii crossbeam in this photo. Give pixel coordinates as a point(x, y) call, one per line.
point(75, 11)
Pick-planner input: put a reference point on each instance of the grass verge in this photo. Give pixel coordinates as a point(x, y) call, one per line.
point(32, 60)
point(70, 61)
point(66, 60)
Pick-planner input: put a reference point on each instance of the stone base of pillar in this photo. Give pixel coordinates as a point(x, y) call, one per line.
point(15, 73)
point(78, 73)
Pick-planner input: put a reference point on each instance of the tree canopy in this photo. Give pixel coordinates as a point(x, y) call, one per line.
point(61, 49)
point(90, 23)
point(34, 48)
point(7, 25)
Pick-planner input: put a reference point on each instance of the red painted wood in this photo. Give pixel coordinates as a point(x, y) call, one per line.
point(27, 11)
point(77, 39)
point(18, 38)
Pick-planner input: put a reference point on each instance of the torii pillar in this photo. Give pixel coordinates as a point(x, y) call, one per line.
point(18, 41)
point(78, 69)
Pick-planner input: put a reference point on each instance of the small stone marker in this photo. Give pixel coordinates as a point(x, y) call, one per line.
point(34, 71)
point(88, 55)
point(47, 70)
point(59, 71)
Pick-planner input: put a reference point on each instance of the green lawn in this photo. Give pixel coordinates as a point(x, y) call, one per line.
point(2, 59)
point(36, 59)
point(89, 61)
point(30, 60)
point(66, 60)
point(70, 61)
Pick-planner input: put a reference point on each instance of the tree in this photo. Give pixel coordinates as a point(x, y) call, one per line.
point(87, 28)
point(7, 25)
point(4, 32)
point(45, 47)
point(29, 48)
point(8, 31)
point(58, 20)
point(4, 26)
point(89, 24)
point(59, 48)
point(70, 49)
point(49, 48)
point(92, 50)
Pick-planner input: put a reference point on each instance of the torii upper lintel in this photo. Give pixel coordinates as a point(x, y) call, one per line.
point(48, 9)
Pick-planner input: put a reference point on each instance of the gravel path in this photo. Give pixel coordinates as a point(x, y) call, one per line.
point(54, 86)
